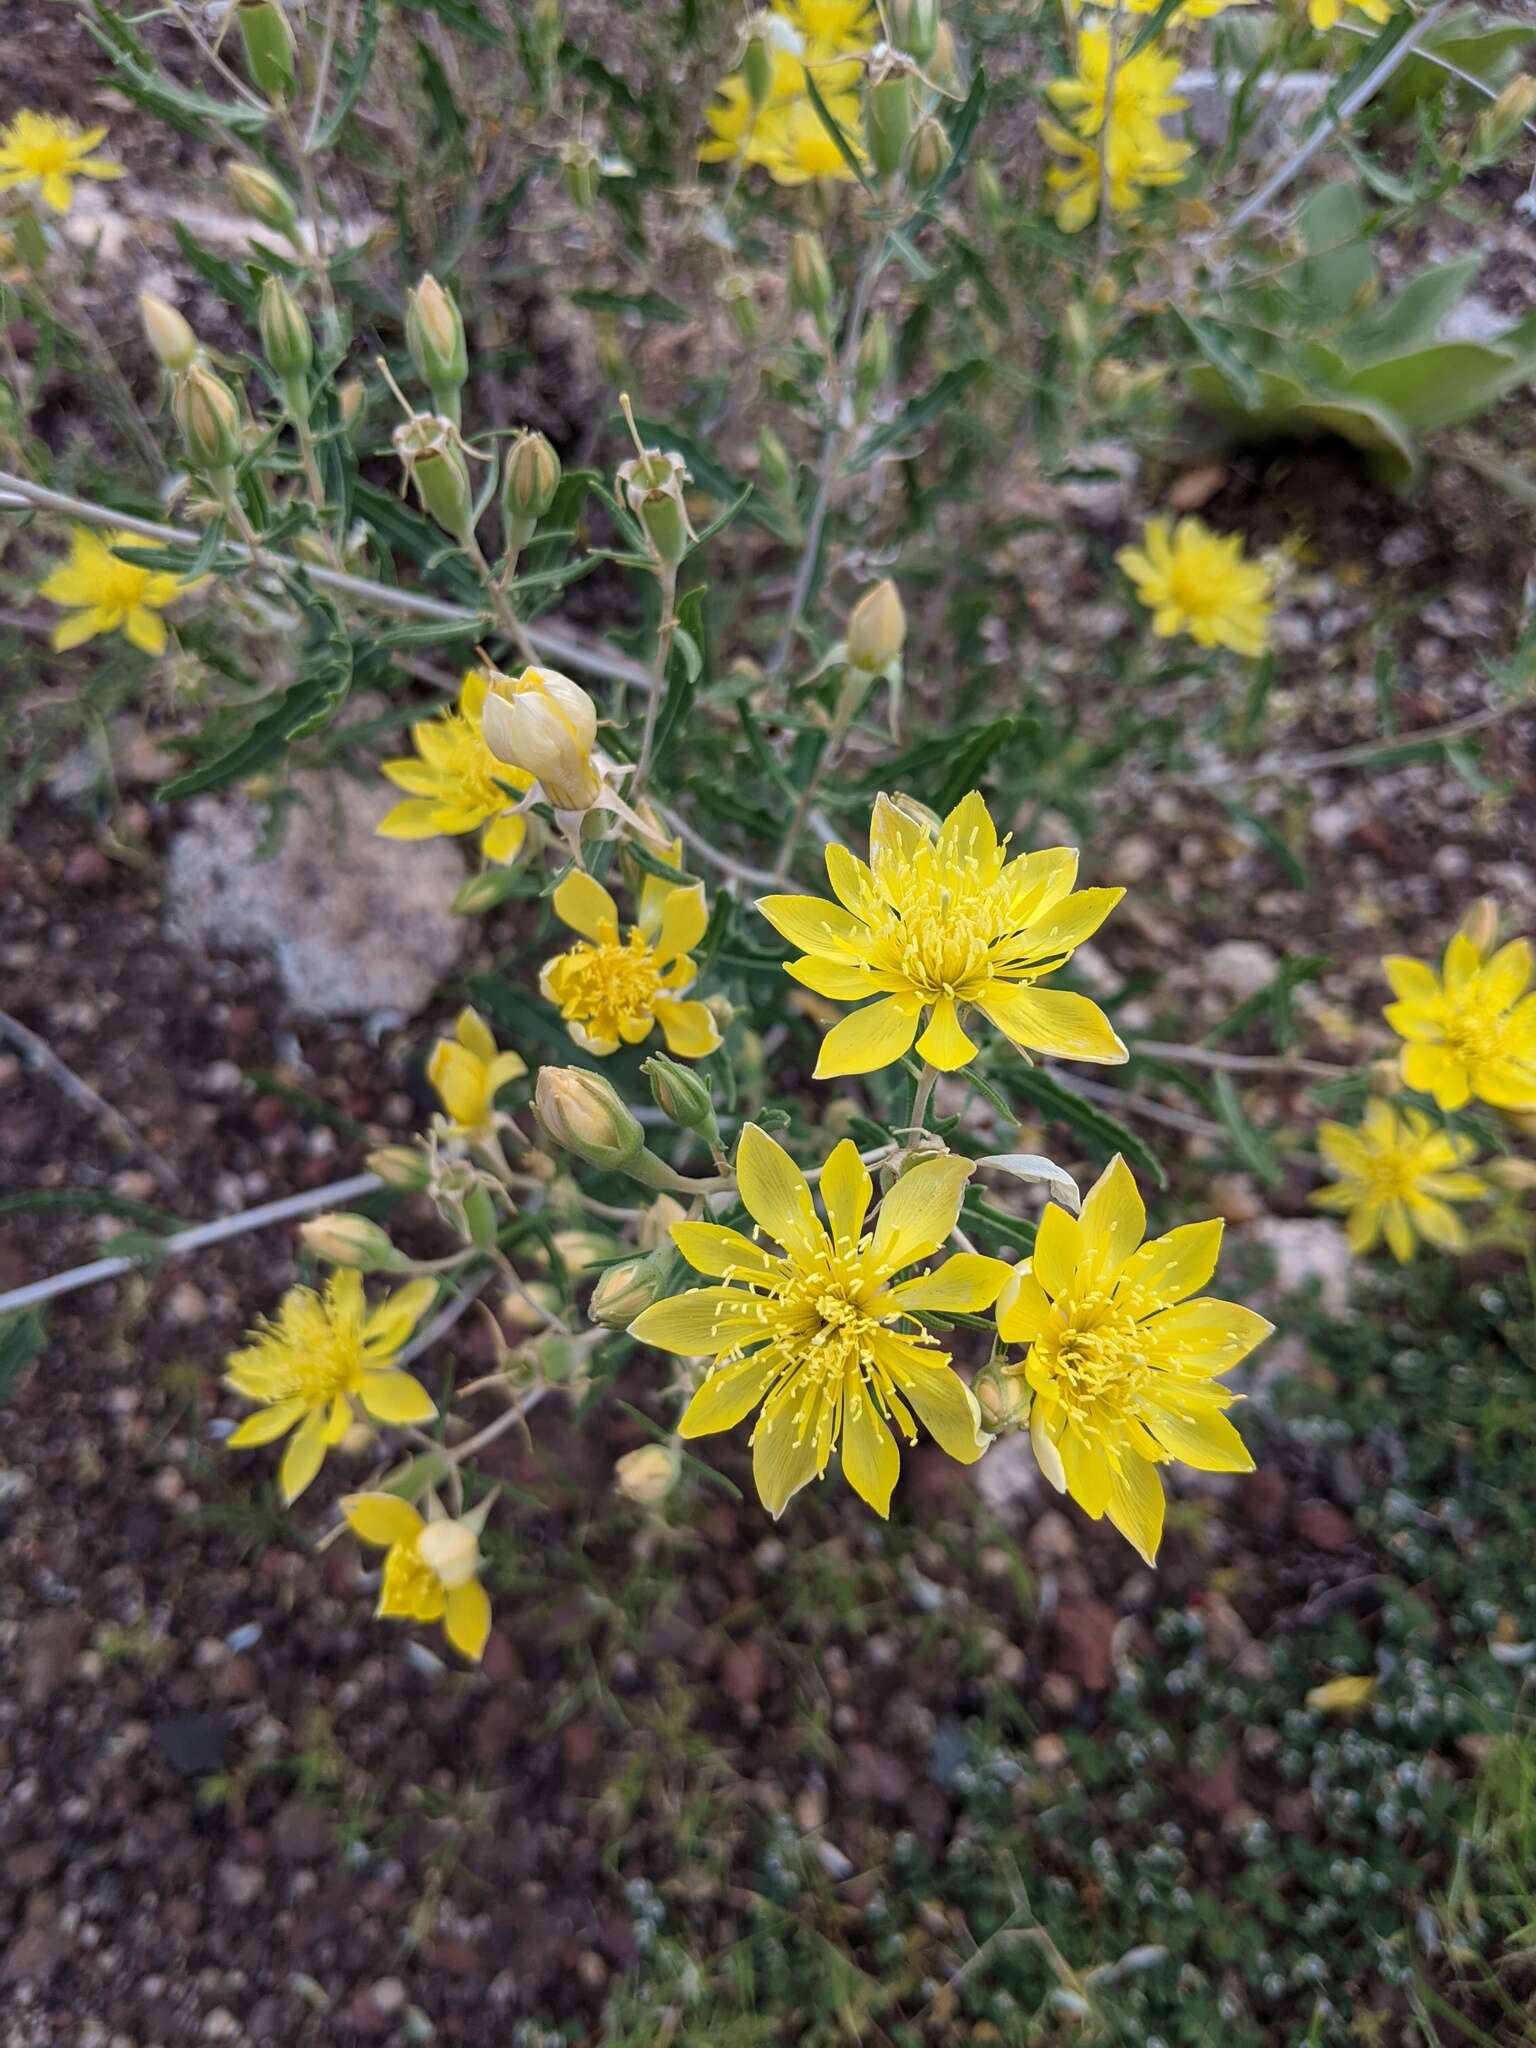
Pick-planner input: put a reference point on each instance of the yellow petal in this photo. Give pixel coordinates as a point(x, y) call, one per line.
point(944, 1044)
point(1113, 1221)
point(380, 1518)
point(467, 1619)
point(723, 1253)
point(967, 1282)
point(267, 1424)
point(846, 1193)
point(502, 840)
point(730, 1393)
point(396, 1316)
point(689, 1028)
point(1341, 1695)
point(1197, 1434)
point(812, 924)
point(474, 1034)
point(1205, 1337)
point(684, 920)
point(1410, 980)
point(395, 1397)
point(775, 1194)
point(77, 629)
point(1023, 1307)
point(303, 1458)
point(1052, 1020)
point(701, 1323)
point(919, 1213)
point(418, 817)
point(942, 1401)
point(1135, 1504)
point(1059, 1249)
point(872, 1037)
point(587, 908)
point(145, 629)
point(785, 1455)
point(871, 1461)
point(1173, 1266)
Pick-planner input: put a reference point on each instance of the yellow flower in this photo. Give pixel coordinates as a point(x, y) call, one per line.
point(1341, 1695)
point(1192, 10)
point(792, 143)
point(429, 1569)
point(1197, 582)
point(1130, 164)
point(43, 151)
point(105, 594)
point(1471, 1029)
point(937, 921)
point(1323, 14)
point(467, 1070)
point(830, 28)
point(458, 784)
point(324, 1355)
point(819, 1336)
point(611, 991)
point(1142, 99)
point(1397, 1174)
point(1122, 1364)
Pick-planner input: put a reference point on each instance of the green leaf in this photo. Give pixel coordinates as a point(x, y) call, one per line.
point(1440, 385)
point(351, 76)
point(1342, 269)
point(1151, 28)
point(1225, 361)
point(1055, 1100)
point(825, 116)
point(463, 15)
point(1413, 316)
point(961, 129)
point(686, 668)
point(646, 305)
point(90, 1202)
point(1248, 1141)
point(310, 702)
point(916, 415)
point(228, 282)
point(21, 1339)
point(1270, 839)
point(142, 80)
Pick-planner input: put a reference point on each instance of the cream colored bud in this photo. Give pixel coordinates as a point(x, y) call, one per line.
point(285, 335)
point(174, 343)
point(624, 1290)
point(1497, 126)
point(584, 1113)
point(655, 1226)
point(1001, 1397)
point(931, 151)
point(434, 334)
point(348, 1240)
point(208, 417)
point(545, 724)
point(258, 195)
point(877, 629)
point(810, 276)
point(648, 1475)
point(1481, 924)
point(450, 1551)
point(400, 1166)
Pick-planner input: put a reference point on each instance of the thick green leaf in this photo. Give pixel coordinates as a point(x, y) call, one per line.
point(1341, 268)
point(226, 280)
point(1413, 316)
point(1440, 385)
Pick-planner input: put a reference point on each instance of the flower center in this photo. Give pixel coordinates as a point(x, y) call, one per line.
point(1096, 1365)
point(950, 919)
point(411, 1589)
point(609, 980)
point(1391, 1176)
point(45, 154)
point(1476, 1032)
point(471, 764)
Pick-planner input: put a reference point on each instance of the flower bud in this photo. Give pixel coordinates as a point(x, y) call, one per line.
point(652, 485)
point(682, 1095)
point(931, 151)
point(427, 445)
point(545, 724)
point(1497, 126)
point(990, 197)
point(810, 280)
point(208, 418)
point(1481, 924)
point(174, 344)
point(757, 70)
point(269, 52)
point(877, 629)
point(400, 1166)
point(482, 1222)
point(943, 66)
point(873, 363)
point(528, 487)
point(434, 334)
point(259, 196)
point(285, 337)
point(451, 1551)
point(646, 1476)
point(581, 165)
point(347, 1240)
point(736, 295)
point(888, 122)
point(774, 466)
point(624, 1290)
point(655, 1226)
point(915, 25)
point(1001, 1397)
point(584, 1113)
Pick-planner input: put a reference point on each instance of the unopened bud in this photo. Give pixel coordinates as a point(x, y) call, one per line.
point(652, 485)
point(655, 1225)
point(757, 70)
point(451, 1551)
point(285, 337)
point(482, 1223)
point(1496, 127)
point(877, 629)
point(400, 1166)
point(1481, 924)
point(174, 344)
point(740, 302)
point(269, 52)
point(931, 152)
point(773, 464)
point(943, 67)
point(427, 445)
point(1517, 1175)
point(888, 122)
point(351, 401)
point(434, 334)
point(585, 1114)
point(873, 363)
point(528, 487)
point(681, 1095)
point(810, 279)
point(915, 25)
point(580, 165)
point(258, 195)
point(1001, 1397)
point(348, 1240)
point(208, 418)
point(990, 197)
point(624, 1290)
point(648, 1475)
point(543, 723)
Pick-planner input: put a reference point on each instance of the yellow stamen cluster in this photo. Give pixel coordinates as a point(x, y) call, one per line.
point(456, 784)
point(1396, 1177)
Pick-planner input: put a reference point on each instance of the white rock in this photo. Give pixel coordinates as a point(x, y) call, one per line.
point(359, 925)
point(1007, 1478)
point(1241, 967)
point(1304, 1251)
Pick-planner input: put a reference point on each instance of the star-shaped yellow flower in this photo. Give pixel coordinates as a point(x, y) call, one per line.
point(457, 784)
point(467, 1071)
point(1197, 582)
point(47, 154)
point(105, 594)
point(1122, 1364)
point(1397, 1176)
point(1469, 1030)
point(938, 921)
point(614, 990)
point(820, 1336)
point(430, 1570)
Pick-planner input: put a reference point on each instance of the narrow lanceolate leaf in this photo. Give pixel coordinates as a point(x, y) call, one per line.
point(685, 669)
point(141, 78)
point(920, 413)
point(21, 1339)
point(352, 77)
point(1248, 1141)
point(1057, 1099)
point(828, 121)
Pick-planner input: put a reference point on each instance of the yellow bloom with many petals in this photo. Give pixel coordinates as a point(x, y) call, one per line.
point(456, 783)
point(793, 145)
point(323, 1357)
point(1197, 582)
point(1325, 14)
point(821, 1335)
point(1126, 171)
point(105, 594)
point(430, 1568)
point(1122, 1364)
point(830, 28)
point(42, 152)
point(1469, 1030)
point(1140, 100)
point(1397, 1177)
point(467, 1070)
point(612, 990)
point(940, 920)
